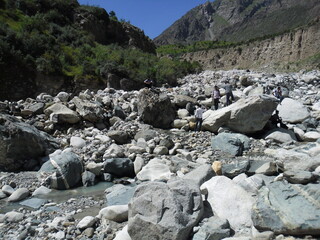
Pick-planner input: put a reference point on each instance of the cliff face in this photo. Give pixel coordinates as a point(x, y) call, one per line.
point(239, 20)
point(284, 52)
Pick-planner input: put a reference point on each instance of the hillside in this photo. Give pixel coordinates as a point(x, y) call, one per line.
point(58, 45)
point(239, 20)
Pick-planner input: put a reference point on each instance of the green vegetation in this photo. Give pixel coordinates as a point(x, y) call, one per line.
point(40, 36)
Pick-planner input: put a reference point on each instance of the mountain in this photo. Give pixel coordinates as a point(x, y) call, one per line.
point(239, 20)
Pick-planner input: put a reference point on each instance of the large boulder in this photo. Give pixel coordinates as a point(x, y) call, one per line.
point(155, 109)
point(277, 206)
point(21, 142)
point(231, 143)
point(165, 211)
point(66, 169)
point(182, 100)
point(248, 115)
point(60, 113)
point(119, 167)
point(91, 111)
point(281, 135)
point(230, 201)
point(292, 111)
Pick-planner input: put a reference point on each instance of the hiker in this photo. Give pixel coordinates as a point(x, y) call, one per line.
point(216, 97)
point(199, 114)
point(148, 83)
point(277, 92)
point(229, 94)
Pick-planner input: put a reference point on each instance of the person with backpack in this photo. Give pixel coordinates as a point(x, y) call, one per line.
point(216, 97)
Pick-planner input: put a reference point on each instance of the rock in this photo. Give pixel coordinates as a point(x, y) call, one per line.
point(182, 100)
point(229, 201)
point(14, 217)
point(251, 114)
point(183, 113)
point(77, 142)
point(2, 195)
point(299, 177)
point(146, 134)
point(119, 195)
point(86, 222)
point(311, 136)
point(33, 109)
point(88, 179)
point(179, 123)
point(213, 228)
point(90, 111)
point(114, 151)
point(281, 135)
point(161, 150)
point(7, 189)
point(95, 168)
point(21, 142)
point(42, 190)
point(152, 106)
point(138, 164)
point(232, 170)
point(167, 142)
point(251, 184)
point(60, 113)
point(119, 167)
point(123, 234)
point(292, 111)
point(19, 194)
point(164, 211)
point(66, 167)
point(213, 120)
point(201, 174)
point(231, 143)
point(116, 213)
point(156, 169)
point(34, 203)
point(120, 137)
point(263, 167)
point(63, 96)
point(275, 209)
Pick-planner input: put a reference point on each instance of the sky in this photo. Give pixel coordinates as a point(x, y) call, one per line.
point(151, 16)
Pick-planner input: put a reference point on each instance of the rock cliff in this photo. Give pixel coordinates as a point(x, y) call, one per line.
point(295, 49)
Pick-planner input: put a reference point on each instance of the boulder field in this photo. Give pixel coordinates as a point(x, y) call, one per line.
point(241, 177)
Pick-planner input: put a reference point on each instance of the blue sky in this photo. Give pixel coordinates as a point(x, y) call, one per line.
point(151, 16)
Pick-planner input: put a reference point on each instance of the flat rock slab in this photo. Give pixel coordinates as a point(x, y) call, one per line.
point(35, 203)
point(277, 206)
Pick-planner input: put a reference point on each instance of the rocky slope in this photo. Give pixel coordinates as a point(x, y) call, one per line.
point(239, 20)
point(287, 52)
point(240, 178)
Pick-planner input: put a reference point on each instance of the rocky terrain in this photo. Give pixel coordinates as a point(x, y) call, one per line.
point(293, 50)
point(241, 177)
point(239, 20)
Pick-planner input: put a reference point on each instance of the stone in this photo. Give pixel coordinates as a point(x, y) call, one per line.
point(77, 142)
point(146, 134)
point(233, 144)
point(276, 209)
point(120, 137)
point(88, 179)
point(63, 96)
point(229, 201)
point(182, 100)
point(137, 150)
point(311, 136)
point(123, 234)
point(251, 184)
point(88, 110)
point(138, 164)
point(14, 217)
point(152, 106)
point(161, 150)
point(116, 213)
point(119, 194)
point(217, 167)
point(232, 170)
point(213, 120)
point(263, 167)
point(281, 135)
point(42, 190)
point(95, 168)
point(7, 189)
point(66, 169)
point(155, 169)
point(60, 113)
point(21, 142)
point(292, 111)
point(19, 194)
point(86, 222)
point(34, 203)
point(182, 113)
point(299, 177)
point(213, 228)
point(164, 211)
point(2, 195)
point(179, 123)
point(114, 151)
point(119, 167)
point(201, 174)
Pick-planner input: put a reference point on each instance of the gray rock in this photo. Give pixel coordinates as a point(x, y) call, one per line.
point(167, 142)
point(214, 228)
point(164, 211)
point(182, 100)
point(201, 174)
point(114, 151)
point(299, 177)
point(117, 213)
point(231, 143)
point(152, 106)
point(277, 206)
point(119, 167)
point(88, 179)
point(292, 111)
point(281, 135)
point(155, 169)
point(21, 142)
point(86, 222)
point(77, 142)
point(42, 190)
point(14, 216)
point(2, 194)
point(120, 137)
point(67, 169)
point(161, 150)
point(60, 113)
point(263, 167)
point(91, 111)
point(146, 134)
point(119, 194)
point(19, 194)
point(7, 189)
point(34, 203)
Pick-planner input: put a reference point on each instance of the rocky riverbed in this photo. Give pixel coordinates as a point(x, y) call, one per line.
point(125, 165)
